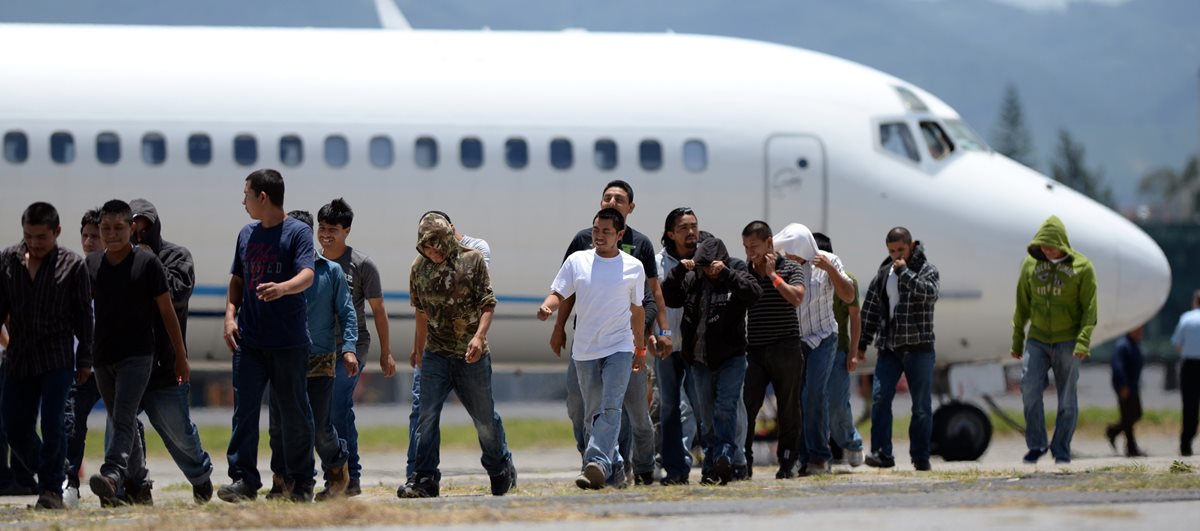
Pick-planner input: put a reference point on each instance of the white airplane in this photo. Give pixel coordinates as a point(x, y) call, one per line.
point(514, 134)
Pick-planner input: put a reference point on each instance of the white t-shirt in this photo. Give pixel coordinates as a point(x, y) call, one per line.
point(893, 291)
point(604, 290)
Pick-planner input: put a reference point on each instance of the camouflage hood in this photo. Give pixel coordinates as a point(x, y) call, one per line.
point(436, 232)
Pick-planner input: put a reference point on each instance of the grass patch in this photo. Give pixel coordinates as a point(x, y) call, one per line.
point(522, 434)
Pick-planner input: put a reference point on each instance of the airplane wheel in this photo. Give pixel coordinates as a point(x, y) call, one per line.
point(961, 432)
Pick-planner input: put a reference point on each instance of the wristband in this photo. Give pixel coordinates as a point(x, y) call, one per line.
point(664, 332)
point(639, 351)
point(777, 281)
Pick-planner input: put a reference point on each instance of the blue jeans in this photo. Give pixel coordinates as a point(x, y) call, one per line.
point(1038, 360)
point(717, 392)
point(672, 374)
point(122, 384)
point(21, 399)
point(603, 384)
point(472, 382)
point(80, 402)
point(841, 419)
point(330, 448)
point(287, 372)
point(636, 442)
point(818, 363)
point(918, 367)
point(414, 416)
point(170, 414)
point(576, 410)
point(342, 407)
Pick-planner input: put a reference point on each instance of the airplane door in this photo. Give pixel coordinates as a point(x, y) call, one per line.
point(796, 187)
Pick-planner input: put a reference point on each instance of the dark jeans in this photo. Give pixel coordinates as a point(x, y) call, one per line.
point(780, 364)
point(717, 392)
point(21, 400)
point(330, 448)
point(342, 406)
point(1189, 389)
point(1131, 412)
point(122, 384)
point(472, 382)
point(287, 372)
point(80, 403)
point(918, 367)
point(169, 412)
point(672, 375)
point(414, 416)
point(12, 471)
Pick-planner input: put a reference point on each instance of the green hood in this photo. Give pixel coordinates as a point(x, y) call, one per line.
point(435, 231)
point(1052, 234)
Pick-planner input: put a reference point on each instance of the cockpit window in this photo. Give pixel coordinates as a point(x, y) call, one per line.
point(963, 136)
point(936, 139)
point(911, 101)
point(897, 138)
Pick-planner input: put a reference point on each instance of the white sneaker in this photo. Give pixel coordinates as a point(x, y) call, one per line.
point(71, 497)
point(854, 457)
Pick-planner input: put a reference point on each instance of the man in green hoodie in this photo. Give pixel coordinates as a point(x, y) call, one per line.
point(1056, 298)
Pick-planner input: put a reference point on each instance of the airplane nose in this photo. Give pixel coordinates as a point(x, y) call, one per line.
point(1144, 279)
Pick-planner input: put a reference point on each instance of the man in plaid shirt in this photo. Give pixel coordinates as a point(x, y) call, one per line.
point(898, 315)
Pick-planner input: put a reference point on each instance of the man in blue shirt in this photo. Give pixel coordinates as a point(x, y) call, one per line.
point(1127, 362)
point(1187, 341)
point(329, 305)
point(266, 328)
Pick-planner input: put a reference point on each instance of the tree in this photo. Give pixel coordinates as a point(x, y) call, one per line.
point(1068, 167)
point(1011, 137)
point(1178, 192)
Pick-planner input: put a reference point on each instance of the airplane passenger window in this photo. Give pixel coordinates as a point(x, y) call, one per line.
point(291, 150)
point(337, 151)
point(381, 153)
point(154, 149)
point(695, 155)
point(606, 154)
point(939, 144)
point(199, 149)
point(245, 149)
point(470, 152)
point(62, 147)
point(108, 148)
point(963, 136)
point(561, 154)
point(897, 138)
point(516, 153)
point(426, 152)
point(650, 155)
point(16, 147)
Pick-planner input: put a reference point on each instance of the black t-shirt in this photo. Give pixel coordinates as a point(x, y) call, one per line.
point(125, 309)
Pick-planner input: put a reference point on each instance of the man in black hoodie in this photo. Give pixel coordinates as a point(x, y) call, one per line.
point(715, 292)
point(166, 401)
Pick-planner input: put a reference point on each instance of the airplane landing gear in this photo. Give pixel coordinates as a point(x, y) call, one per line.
point(961, 432)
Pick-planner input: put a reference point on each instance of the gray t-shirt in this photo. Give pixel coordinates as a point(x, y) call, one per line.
point(363, 278)
point(479, 245)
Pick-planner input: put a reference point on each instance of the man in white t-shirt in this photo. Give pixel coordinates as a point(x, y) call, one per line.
point(608, 286)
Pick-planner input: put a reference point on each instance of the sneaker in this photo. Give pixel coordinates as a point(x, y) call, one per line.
point(418, 487)
point(708, 478)
point(353, 488)
point(723, 469)
point(592, 477)
point(787, 470)
point(71, 497)
point(1031, 458)
point(138, 493)
point(238, 491)
point(335, 485)
point(50, 500)
point(504, 481)
point(105, 488)
point(278, 488)
point(922, 465)
point(1062, 460)
point(670, 481)
point(878, 460)
point(645, 478)
point(741, 473)
point(817, 468)
point(202, 493)
point(1112, 438)
point(854, 458)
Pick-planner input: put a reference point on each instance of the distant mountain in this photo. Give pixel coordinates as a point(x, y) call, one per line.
point(1122, 77)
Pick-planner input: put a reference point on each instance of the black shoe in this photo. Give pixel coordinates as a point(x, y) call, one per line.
point(708, 478)
point(876, 460)
point(741, 473)
point(787, 470)
point(645, 478)
point(1032, 456)
point(922, 465)
point(1185, 450)
point(1112, 438)
point(723, 469)
point(504, 481)
point(299, 493)
point(238, 491)
point(50, 500)
point(418, 487)
point(669, 481)
point(1135, 452)
point(353, 488)
point(12, 488)
point(138, 493)
point(105, 488)
point(203, 492)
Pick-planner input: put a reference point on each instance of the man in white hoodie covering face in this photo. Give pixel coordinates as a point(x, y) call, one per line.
point(824, 278)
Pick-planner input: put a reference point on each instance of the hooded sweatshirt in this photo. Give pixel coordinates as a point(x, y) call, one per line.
point(452, 294)
point(181, 279)
point(1056, 300)
point(667, 260)
point(910, 327)
point(817, 318)
point(715, 309)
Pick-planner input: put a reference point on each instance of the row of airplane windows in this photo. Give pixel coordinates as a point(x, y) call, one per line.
point(380, 151)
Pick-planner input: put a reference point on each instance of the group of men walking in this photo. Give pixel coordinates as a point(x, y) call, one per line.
point(724, 332)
